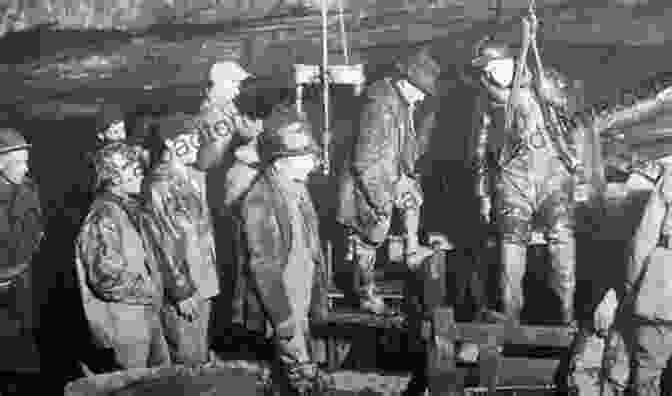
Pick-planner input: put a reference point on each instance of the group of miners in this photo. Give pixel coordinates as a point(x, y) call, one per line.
point(146, 256)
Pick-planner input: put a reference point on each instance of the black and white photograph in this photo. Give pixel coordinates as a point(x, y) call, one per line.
point(336, 197)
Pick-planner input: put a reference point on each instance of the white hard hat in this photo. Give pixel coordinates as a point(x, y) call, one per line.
point(227, 71)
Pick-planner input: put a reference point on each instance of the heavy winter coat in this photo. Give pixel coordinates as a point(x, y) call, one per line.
point(267, 249)
point(385, 147)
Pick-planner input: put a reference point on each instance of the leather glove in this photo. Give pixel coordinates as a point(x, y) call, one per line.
point(486, 209)
point(407, 193)
point(188, 308)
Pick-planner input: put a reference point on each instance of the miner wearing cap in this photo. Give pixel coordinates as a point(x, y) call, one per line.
point(223, 126)
point(175, 191)
point(524, 171)
point(117, 256)
point(21, 225)
point(381, 178)
point(280, 242)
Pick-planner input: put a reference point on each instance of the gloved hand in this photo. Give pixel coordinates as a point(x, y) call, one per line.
point(605, 312)
point(408, 193)
point(188, 308)
point(486, 209)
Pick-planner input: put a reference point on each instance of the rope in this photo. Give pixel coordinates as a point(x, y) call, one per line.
point(325, 89)
point(344, 37)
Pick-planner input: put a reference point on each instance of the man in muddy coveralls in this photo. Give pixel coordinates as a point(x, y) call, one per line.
point(381, 176)
point(279, 239)
point(524, 173)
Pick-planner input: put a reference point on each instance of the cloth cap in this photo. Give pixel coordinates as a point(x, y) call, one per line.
point(489, 49)
point(286, 134)
point(12, 140)
point(111, 160)
point(421, 70)
point(229, 70)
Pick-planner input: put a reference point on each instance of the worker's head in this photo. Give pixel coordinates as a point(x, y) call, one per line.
point(176, 138)
point(110, 125)
point(493, 59)
point(119, 167)
point(288, 144)
point(224, 81)
point(13, 155)
point(421, 70)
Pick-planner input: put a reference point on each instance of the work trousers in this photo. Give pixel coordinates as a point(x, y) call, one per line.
point(188, 341)
point(134, 352)
point(534, 191)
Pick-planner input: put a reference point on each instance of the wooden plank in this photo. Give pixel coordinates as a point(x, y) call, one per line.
point(528, 371)
point(442, 375)
point(479, 333)
point(352, 320)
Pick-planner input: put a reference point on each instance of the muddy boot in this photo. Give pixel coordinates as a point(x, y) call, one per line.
point(363, 258)
point(369, 300)
point(297, 373)
point(415, 253)
point(514, 260)
point(563, 264)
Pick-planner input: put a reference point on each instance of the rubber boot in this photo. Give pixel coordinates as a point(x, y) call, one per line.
point(563, 263)
point(514, 261)
point(369, 300)
point(298, 375)
point(363, 259)
point(415, 253)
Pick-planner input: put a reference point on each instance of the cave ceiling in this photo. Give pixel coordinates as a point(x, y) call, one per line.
point(49, 69)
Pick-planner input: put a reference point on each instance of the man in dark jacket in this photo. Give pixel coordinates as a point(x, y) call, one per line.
point(177, 195)
point(117, 257)
point(280, 241)
point(20, 226)
point(381, 176)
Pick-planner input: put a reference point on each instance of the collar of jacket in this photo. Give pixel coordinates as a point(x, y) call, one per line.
point(386, 91)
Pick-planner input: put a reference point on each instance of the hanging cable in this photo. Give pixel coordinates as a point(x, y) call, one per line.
point(344, 37)
point(326, 136)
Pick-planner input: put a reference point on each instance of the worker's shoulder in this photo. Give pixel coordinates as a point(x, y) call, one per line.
point(382, 92)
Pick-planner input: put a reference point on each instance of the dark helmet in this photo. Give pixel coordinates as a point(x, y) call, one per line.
point(489, 49)
point(287, 133)
point(421, 70)
point(11, 140)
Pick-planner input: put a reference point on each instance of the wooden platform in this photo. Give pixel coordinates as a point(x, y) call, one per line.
point(496, 368)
